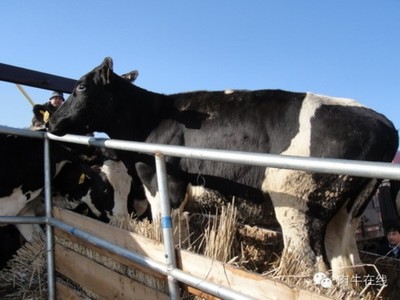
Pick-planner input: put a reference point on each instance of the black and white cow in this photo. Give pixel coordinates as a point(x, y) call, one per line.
point(98, 179)
point(102, 183)
point(101, 188)
point(106, 188)
point(79, 182)
point(318, 213)
point(22, 175)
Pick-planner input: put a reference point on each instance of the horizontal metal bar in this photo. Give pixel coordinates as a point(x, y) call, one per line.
point(22, 132)
point(323, 165)
point(210, 288)
point(36, 79)
point(22, 220)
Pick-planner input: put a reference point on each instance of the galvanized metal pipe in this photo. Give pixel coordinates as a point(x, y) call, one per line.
point(166, 224)
point(49, 229)
point(312, 164)
point(22, 220)
point(199, 283)
point(22, 132)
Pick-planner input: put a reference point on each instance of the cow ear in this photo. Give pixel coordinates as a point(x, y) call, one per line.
point(131, 76)
point(147, 175)
point(108, 62)
point(145, 171)
point(107, 69)
point(90, 172)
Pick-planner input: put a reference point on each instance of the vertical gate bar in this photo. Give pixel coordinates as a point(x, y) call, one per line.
point(49, 228)
point(166, 224)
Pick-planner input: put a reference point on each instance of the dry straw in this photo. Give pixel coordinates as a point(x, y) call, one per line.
point(217, 236)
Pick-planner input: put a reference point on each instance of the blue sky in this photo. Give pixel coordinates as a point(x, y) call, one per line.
point(340, 48)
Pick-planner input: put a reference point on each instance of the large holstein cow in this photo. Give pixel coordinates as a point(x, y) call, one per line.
point(318, 213)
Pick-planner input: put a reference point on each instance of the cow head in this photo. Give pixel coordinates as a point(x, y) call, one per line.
point(91, 103)
point(79, 183)
point(102, 101)
point(176, 180)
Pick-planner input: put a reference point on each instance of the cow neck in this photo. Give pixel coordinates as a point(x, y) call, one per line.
point(141, 113)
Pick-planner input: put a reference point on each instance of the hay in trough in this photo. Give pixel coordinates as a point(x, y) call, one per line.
point(218, 236)
point(151, 230)
point(25, 276)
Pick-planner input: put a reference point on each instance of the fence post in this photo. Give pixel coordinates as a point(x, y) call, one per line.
point(49, 228)
point(166, 224)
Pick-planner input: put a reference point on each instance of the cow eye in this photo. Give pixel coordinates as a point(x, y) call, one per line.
point(81, 87)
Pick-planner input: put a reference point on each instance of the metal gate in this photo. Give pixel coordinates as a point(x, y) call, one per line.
point(174, 274)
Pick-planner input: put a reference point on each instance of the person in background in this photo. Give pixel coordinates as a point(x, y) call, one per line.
point(391, 247)
point(42, 112)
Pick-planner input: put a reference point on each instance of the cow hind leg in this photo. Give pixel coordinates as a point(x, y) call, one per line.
point(303, 234)
point(340, 243)
point(298, 240)
point(341, 248)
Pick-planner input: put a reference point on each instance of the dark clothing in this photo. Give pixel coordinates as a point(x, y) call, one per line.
point(387, 203)
point(385, 248)
point(39, 112)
